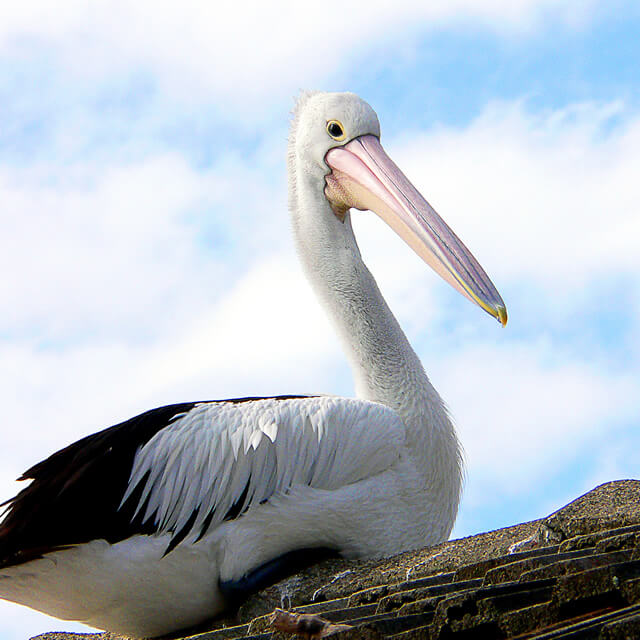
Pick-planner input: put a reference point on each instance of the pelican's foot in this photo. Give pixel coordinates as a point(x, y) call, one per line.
point(237, 591)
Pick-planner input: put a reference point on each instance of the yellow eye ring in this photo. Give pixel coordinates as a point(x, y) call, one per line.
point(336, 130)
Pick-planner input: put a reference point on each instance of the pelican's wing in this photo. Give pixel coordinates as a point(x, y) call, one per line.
point(219, 459)
point(75, 495)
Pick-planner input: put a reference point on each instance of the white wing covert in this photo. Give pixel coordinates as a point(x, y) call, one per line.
point(216, 461)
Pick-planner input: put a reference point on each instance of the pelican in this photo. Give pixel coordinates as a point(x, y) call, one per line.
point(164, 521)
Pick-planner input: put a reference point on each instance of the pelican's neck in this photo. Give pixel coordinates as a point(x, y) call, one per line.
point(385, 367)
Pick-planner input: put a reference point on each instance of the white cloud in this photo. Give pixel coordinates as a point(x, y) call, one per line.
point(526, 410)
point(242, 52)
point(100, 249)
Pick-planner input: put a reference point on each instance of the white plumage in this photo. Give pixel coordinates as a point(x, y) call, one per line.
point(267, 446)
point(154, 524)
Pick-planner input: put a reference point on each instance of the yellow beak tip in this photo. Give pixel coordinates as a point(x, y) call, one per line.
point(502, 316)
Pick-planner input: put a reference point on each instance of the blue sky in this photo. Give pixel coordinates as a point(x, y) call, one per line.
point(146, 245)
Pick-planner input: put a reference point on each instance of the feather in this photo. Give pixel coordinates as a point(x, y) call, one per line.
point(213, 463)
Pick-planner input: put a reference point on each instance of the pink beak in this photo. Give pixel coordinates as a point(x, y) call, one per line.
point(364, 177)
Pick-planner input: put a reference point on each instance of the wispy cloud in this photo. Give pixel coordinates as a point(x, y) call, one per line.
point(242, 53)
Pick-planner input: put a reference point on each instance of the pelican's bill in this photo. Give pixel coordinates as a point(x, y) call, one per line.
point(364, 177)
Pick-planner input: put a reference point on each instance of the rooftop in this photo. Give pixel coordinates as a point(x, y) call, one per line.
point(573, 574)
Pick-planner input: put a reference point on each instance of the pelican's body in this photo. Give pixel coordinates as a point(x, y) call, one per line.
point(161, 518)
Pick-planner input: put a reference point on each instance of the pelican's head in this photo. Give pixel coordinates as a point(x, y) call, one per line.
point(335, 142)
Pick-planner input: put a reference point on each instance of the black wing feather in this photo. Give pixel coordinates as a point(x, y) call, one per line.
point(75, 494)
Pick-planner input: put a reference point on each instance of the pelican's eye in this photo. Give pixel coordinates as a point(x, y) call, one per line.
point(336, 130)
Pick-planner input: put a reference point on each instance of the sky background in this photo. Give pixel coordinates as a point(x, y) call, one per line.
point(145, 248)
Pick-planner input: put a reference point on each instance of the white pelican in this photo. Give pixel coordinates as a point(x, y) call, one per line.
point(165, 520)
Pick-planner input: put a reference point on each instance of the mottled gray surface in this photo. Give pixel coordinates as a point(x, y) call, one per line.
point(614, 504)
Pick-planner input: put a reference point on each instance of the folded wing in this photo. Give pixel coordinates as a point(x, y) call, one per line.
point(221, 459)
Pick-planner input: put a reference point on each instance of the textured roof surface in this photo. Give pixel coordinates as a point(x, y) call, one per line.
point(574, 574)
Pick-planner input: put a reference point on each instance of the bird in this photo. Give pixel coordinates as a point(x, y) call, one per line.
point(168, 519)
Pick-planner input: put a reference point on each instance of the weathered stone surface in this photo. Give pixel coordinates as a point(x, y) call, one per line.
point(576, 565)
point(527, 619)
point(626, 629)
point(614, 504)
point(412, 601)
point(618, 542)
point(598, 538)
point(61, 635)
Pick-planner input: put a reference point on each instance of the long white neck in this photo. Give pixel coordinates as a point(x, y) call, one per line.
point(385, 367)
